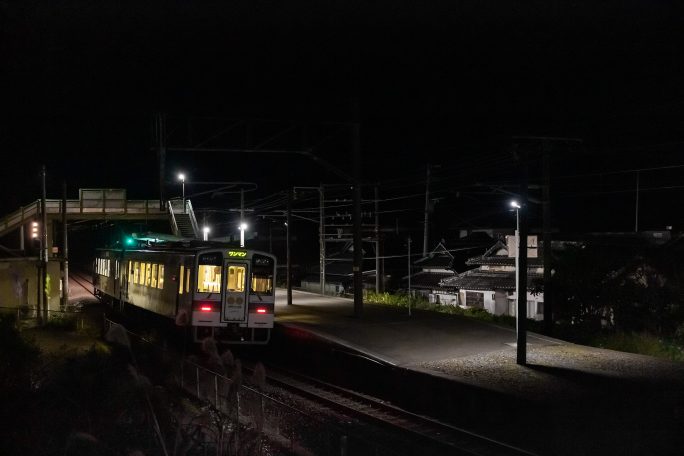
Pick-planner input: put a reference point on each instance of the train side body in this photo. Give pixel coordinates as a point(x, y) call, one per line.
point(221, 292)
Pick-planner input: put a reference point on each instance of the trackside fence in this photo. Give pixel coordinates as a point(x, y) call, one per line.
point(27, 316)
point(249, 419)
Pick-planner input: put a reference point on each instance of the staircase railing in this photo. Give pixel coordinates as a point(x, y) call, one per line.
point(193, 220)
point(174, 225)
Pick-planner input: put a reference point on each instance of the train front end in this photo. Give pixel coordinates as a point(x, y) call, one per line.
point(234, 297)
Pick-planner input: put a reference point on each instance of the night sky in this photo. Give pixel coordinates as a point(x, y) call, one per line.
point(444, 82)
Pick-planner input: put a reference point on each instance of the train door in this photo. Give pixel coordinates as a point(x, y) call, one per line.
point(235, 296)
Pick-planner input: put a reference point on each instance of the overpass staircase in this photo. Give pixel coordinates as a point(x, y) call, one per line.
point(183, 221)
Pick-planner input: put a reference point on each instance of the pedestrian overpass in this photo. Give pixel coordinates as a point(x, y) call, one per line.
point(102, 204)
point(23, 277)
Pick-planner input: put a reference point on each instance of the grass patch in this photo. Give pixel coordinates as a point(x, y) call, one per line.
point(641, 343)
point(420, 303)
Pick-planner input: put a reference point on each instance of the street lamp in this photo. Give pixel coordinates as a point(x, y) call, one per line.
point(521, 342)
point(516, 206)
point(243, 227)
point(206, 231)
point(181, 177)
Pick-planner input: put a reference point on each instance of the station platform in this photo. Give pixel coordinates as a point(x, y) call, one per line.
point(390, 335)
point(576, 399)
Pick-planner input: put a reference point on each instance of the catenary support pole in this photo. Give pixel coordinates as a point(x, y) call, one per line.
point(636, 208)
point(409, 275)
point(44, 248)
point(288, 242)
point(358, 247)
point(378, 276)
point(521, 265)
point(321, 237)
point(427, 213)
point(546, 239)
point(160, 139)
point(242, 217)
point(65, 251)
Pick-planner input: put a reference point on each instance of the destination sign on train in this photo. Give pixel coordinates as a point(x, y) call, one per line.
point(237, 253)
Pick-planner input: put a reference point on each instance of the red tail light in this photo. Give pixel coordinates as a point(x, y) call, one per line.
point(261, 310)
point(206, 308)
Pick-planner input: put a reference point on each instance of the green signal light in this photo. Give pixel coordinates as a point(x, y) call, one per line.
point(130, 241)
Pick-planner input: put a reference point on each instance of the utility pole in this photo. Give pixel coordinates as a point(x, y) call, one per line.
point(546, 238)
point(288, 238)
point(65, 251)
point(321, 235)
point(427, 212)
point(409, 275)
point(378, 276)
point(358, 247)
point(521, 263)
point(44, 250)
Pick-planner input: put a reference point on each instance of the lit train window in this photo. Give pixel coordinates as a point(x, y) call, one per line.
point(262, 275)
point(236, 278)
point(136, 272)
point(130, 272)
point(160, 282)
point(261, 284)
point(148, 274)
point(107, 267)
point(208, 278)
point(143, 268)
point(153, 284)
point(187, 280)
point(181, 281)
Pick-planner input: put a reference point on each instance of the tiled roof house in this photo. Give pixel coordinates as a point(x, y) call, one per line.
point(491, 284)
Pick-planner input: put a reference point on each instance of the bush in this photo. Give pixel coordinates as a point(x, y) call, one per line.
point(61, 321)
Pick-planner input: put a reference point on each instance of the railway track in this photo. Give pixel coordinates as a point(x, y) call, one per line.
point(435, 437)
point(450, 439)
point(82, 280)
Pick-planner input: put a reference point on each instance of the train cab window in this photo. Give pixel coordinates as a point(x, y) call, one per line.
point(160, 282)
point(153, 282)
point(236, 278)
point(148, 274)
point(136, 272)
point(262, 275)
point(208, 278)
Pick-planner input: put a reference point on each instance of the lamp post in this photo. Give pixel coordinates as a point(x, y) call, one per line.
point(520, 288)
point(243, 227)
point(181, 177)
point(205, 231)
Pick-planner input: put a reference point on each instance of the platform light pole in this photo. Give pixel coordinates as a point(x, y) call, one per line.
point(520, 290)
point(181, 177)
point(520, 284)
point(243, 227)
